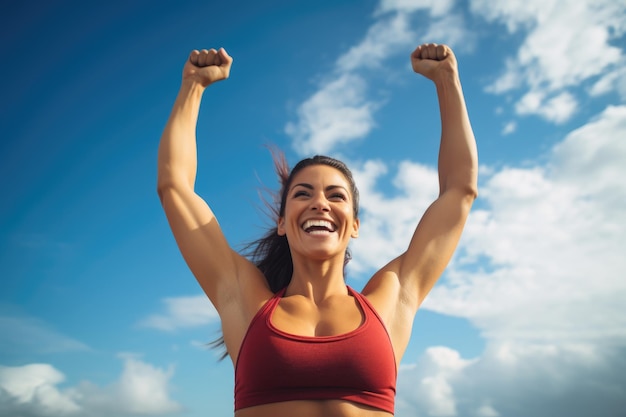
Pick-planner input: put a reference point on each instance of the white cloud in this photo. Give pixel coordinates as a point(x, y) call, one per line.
point(384, 38)
point(451, 30)
point(557, 109)
point(516, 381)
point(538, 272)
point(141, 389)
point(614, 80)
point(341, 111)
point(547, 240)
point(566, 43)
point(486, 410)
point(33, 390)
point(181, 312)
point(28, 334)
point(592, 157)
point(434, 7)
point(509, 128)
point(554, 240)
point(427, 385)
point(337, 113)
point(382, 237)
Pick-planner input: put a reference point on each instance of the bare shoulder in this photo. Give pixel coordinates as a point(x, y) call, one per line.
point(384, 291)
point(239, 303)
point(390, 300)
point(242, 294)
point(253, 288)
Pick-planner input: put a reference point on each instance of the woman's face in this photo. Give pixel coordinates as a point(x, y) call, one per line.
point(319, 214)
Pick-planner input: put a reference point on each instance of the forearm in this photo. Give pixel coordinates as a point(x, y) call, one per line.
point(458, 160)
point(177, 156)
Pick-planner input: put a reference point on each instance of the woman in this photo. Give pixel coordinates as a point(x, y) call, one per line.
point(308, 345)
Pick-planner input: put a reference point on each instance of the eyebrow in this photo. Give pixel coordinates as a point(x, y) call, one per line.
point(310, 187)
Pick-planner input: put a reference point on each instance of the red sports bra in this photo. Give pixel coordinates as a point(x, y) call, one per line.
point(274, 366)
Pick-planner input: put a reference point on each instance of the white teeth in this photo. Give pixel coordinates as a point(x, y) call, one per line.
point(318, 223)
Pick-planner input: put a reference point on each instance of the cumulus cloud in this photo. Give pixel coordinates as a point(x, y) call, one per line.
point(537, 272)
point(337, 113)
point(383, 38)
point(428, 385)
point(553, 236)
point(566, 43)
point(538, 269)
point(33, 391)
point(509, 128)
point(435, 8)
point(383, 237)
point(557, 109)
point(514, 380)
point(612, 81)
point(142, 389)
point(342, 108)
point(547, 240)
point(182, 312)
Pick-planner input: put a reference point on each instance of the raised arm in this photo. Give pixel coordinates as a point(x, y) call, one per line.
point(439, 230)
point(177, 163)
point(198, 235)
point(412, 275)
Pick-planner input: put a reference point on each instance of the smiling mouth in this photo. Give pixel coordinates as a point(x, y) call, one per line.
point(318, 226)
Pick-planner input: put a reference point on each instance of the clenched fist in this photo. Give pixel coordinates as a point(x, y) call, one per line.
point(207, 66)
point(432, 60)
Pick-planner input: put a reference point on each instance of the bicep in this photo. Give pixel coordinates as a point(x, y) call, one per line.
point(398, 289)
point(201, 241)
point(433, 244)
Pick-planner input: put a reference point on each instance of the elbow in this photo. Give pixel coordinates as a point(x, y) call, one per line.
point(472, 191)
point(162, 183)
point(168, 182)
point(165, 182)
point(160, 193)
point(467, 193)
point(468, 189)
point(160, 189)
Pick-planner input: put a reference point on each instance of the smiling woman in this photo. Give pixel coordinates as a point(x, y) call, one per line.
point(300, 339)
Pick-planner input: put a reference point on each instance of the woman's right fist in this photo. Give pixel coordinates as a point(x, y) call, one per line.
point(207, 66)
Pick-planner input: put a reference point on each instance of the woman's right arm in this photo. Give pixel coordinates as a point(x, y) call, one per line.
point(216, 266)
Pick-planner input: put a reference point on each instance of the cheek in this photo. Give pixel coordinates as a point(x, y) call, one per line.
point(290, 215)
point(348, 214)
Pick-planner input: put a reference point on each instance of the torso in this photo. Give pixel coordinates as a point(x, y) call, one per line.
point(237, 312)
point(297, 315)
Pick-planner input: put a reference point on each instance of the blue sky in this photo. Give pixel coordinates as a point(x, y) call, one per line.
point(99, 315)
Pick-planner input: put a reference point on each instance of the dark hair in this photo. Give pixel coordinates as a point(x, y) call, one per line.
point(271, 253)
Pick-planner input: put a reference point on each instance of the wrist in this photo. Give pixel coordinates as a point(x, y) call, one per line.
point(446, 79)
point(191, 87)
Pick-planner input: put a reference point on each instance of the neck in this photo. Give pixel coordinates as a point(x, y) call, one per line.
point(317, 280)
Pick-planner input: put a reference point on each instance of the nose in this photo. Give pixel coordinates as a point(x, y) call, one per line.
point(320, 202)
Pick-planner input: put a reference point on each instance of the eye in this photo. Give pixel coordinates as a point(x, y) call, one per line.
point(338, 196)
point(300, 193)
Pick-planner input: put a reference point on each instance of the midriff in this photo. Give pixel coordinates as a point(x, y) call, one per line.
point(321, 408)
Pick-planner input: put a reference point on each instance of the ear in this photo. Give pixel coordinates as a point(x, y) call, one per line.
point(280, 226)
point(355, 230)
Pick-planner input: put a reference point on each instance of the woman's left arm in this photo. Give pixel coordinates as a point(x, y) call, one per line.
point(399, 288)
point(438, 232)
